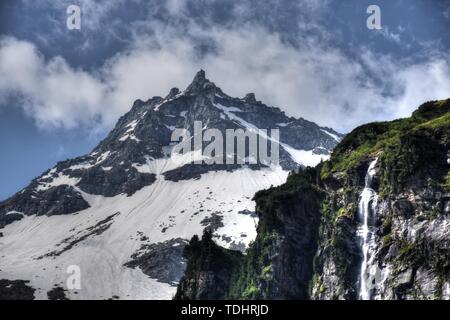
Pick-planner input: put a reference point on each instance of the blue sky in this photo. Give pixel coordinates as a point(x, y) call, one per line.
point(62, 90)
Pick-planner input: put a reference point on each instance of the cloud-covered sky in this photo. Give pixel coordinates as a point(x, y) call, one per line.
point(312, 58)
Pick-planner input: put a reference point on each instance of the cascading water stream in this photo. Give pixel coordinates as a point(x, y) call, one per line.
point(367, 205)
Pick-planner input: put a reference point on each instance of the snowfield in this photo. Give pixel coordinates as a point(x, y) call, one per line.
point(161, 211)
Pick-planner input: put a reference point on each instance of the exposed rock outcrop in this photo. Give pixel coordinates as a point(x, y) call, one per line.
point(16, 290)
point(209, 270)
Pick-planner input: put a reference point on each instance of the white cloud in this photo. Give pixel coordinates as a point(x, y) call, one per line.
point(53, 93)
point(421, 82)
point(390, 35)
point(319, 83)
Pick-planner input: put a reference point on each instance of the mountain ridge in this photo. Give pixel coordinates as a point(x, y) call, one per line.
point(96, 179)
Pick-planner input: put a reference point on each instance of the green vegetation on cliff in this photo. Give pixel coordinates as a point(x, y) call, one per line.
point(404, 147)
point(289, 219)
point(412, 159)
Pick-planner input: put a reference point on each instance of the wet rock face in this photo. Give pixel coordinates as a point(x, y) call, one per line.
point(413, 243)
point(16, 290)
point(418, 258)
point(411, 250)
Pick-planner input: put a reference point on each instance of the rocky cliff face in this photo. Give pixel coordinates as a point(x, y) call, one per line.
point(370, 223)
point(279, 263)
point(209, 270)
point(408, 219)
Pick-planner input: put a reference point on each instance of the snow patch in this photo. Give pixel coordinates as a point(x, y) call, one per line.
point(102, 157)
point(81, 166)
point(49, 174)
point(171, 128)
point(129, 136)
point(61, 179)
point(131, 126)
point(158, 106)
point(14, 212)
point(334, 136)
point(141, 168)
point(305, 157)
point(302, 157)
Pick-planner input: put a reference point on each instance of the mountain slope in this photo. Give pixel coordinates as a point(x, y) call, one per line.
point(370, 223)
point(124, 212)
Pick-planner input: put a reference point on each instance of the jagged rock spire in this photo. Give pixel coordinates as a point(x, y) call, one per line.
point(200, 83)
point(250, 97)
point(173, 92)
point(200, 76)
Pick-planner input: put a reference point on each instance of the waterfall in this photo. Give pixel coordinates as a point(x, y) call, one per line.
point(367, 204)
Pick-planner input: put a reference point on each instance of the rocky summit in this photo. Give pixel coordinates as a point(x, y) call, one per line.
point(121, 215)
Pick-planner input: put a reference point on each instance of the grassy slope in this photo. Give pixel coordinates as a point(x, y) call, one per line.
point(404, 147)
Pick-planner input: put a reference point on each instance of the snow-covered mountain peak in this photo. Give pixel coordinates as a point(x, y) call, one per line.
point(129, 202)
